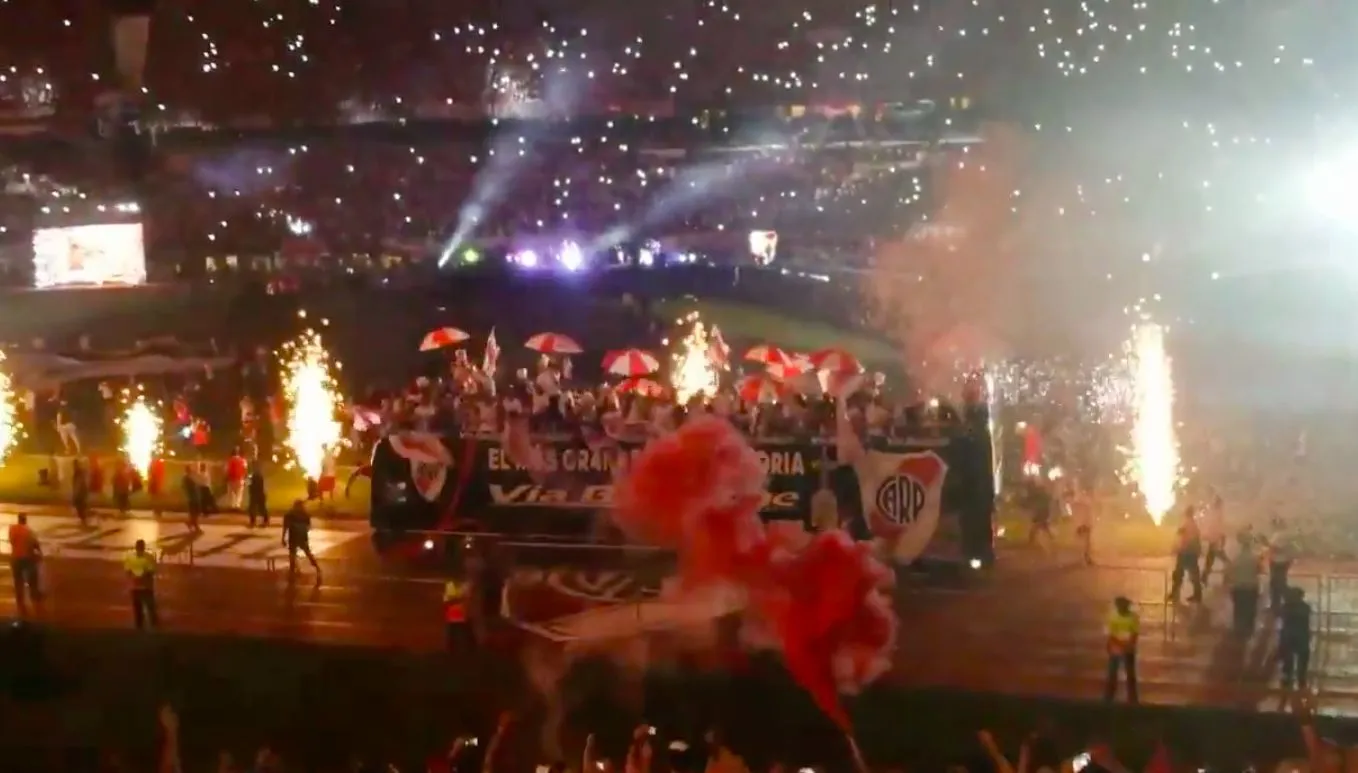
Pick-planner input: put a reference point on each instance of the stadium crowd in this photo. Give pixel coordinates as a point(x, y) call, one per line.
point(1041, 745)
point(326, 62)
point(450, 392)
point(653, 161)
point(347, 198)
point(616, 192)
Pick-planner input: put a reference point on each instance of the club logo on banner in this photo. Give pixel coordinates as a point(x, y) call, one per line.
point(902, 494)
point(429, 478)
point(429, 461)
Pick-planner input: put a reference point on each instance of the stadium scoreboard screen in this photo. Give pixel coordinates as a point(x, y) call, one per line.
point(89, 255)
point(763, 247)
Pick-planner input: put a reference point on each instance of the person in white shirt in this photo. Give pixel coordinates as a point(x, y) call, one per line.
point(66, 431)
point(548, 382)
point(636, 411)
point(540, 402)
point(486, 417)
point(547, 398)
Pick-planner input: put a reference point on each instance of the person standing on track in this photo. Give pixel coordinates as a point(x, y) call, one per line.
point(236, 474)
point(456, 594)
point(1124, 628)
point(1187, 551)
point(1243, 576)
point(297, 537)
point(25, 555)
point(80, 492)
point(1294, 639)
point(1082, 514)
point(193, 502)
point(1214, 536)
point(257, 499)
point(1280, 555)
point(1039, 503)
point(141, 571)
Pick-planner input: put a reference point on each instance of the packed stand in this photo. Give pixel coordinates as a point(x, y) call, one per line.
point(263, 67)
point(276, 63)
point(344, 197)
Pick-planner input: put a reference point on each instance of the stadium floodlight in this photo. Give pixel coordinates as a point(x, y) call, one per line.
point(572, 258)
point(1332, 187)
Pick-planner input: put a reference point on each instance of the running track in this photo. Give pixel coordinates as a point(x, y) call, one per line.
point(1031, 628)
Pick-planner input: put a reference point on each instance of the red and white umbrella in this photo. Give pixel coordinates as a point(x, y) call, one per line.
point(441, 337)
point(768, 355)
point(761, 388)
point(839, 383)
point(630, 362)
point(789, 370)
point(553, 343)
point(366, 417)
point(835, 361)
point(642, 386)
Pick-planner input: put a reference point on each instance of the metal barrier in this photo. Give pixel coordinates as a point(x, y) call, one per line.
point(1148, 593)
point(54, 551)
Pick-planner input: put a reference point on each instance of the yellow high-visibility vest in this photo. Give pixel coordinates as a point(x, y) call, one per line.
point(140, 567)
point(1122, 631)
point(454, 602)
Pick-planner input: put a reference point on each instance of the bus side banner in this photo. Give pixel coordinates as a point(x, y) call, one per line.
point(580, 477)
point(920, 495)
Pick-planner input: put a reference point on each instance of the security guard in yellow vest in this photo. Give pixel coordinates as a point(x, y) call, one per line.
point(456, 594)
point(141, 572)
point(1124, 628)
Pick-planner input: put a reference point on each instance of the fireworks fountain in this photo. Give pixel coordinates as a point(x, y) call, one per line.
point(9, 416)
point(141, 426)
point(693, 371)
point(314, 404)
point(993, 428)
point(1153, 455)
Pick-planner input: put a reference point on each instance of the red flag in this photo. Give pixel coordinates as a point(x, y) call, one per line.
point(1160, 761)
point(1032, 447)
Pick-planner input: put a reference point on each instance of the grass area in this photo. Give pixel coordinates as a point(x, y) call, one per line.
point(318, 705)
point(763, 325)
point(27, 314)
point(20, 484)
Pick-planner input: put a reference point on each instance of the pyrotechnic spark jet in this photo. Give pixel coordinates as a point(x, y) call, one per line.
point(314, 405)
point(694, 371)
point(992, 398)
point(9, 415)
point(1153, 458)
point(141, 427)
